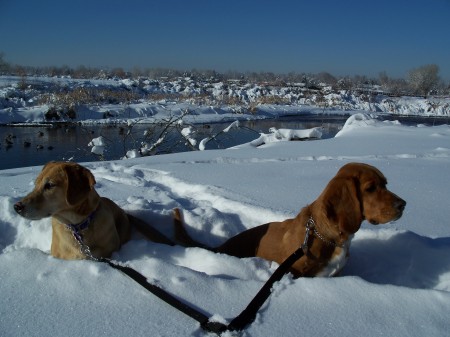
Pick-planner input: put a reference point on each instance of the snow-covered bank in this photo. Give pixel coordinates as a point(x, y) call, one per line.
point(397, 281)
point(40, 99)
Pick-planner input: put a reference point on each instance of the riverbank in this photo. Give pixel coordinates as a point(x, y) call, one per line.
point(47, 99)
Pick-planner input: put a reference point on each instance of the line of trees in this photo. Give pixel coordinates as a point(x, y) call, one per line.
point(423, 80)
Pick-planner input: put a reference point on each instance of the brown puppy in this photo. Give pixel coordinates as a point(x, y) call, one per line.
point(65, 192)
point(357, 192)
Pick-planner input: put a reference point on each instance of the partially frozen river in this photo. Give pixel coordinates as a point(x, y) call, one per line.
point(31, 146)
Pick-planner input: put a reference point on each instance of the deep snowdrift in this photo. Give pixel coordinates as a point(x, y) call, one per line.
point(397, 281)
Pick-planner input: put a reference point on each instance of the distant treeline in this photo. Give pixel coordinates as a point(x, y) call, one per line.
point(423, 80)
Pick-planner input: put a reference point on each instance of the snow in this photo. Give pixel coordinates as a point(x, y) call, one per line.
point(186, 133)
point(396, 282)
point(98, 145)
point(277, 135)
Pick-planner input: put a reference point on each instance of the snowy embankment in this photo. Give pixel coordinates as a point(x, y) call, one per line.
point(397, 281)
point(28, 100)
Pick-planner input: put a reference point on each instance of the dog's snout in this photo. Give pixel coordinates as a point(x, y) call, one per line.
point(19, 207)
point(400, 204)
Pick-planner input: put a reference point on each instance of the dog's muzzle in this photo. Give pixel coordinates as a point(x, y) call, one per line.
point(19, 207)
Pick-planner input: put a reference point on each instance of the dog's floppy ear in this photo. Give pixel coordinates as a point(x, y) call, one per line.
point(343, 204)
point(80, 182)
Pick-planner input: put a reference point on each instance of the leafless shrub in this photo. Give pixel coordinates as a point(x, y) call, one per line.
point(278, 100)
point(81, 96)
point(56, 114)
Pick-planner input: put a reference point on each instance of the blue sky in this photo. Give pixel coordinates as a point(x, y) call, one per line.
point(344, 37)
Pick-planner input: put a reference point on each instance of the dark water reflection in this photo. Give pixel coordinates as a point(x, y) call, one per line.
point(37, 145)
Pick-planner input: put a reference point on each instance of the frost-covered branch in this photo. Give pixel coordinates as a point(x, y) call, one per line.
point(203, 142)
point(157, 136)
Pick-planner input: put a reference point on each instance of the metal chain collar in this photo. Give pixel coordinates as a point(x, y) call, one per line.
point(84, 248)
point(311, 227)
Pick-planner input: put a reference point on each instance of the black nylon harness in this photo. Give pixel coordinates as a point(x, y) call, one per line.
point(246, 317)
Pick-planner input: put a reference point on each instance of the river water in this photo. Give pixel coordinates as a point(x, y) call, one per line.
point(32, 146)
point(22, 146)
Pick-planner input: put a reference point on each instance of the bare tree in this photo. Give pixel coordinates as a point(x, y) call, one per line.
point(423, 79)
point(345, 83)
point(4, 66)
point(393, 86)
point(327, 78)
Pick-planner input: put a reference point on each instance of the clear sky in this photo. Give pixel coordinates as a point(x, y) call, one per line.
point(343, 37)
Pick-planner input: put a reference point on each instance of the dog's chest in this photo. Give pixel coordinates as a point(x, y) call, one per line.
point(337, 261)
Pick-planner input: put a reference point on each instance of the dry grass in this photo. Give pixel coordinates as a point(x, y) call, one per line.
point(89, 96)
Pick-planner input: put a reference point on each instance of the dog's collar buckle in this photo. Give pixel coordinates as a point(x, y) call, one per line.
point(311, 229)
point(310, 225)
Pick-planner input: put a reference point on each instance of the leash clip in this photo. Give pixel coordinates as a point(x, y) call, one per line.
point(309, 227)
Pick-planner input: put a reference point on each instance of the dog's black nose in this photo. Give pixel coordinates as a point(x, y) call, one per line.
point(400, 204)
point(19, 207)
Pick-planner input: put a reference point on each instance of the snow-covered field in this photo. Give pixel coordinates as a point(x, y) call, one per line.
point(397, 281)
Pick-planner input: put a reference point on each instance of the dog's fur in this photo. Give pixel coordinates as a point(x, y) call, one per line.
point(65, 191)
point(357, 192)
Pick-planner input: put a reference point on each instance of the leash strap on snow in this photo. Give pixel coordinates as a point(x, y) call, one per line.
point(249, 314)
point(246, 317)
point(155, 290)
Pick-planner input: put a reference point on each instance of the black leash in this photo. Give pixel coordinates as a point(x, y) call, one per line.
point(157, 291)
point(246, 317)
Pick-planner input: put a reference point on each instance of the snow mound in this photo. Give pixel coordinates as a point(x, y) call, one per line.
point(279, 135)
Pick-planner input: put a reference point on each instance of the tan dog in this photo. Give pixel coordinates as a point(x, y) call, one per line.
point(65, 191)
point(357, 192)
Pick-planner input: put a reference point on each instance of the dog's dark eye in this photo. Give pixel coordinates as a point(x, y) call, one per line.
point(48, 186)
point(371, 188)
